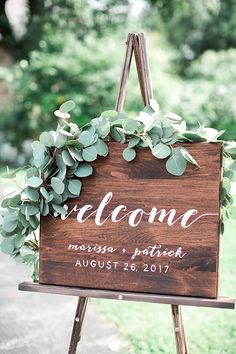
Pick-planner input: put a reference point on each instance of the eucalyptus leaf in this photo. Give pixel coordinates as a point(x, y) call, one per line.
point(89, 153)
point(66, 133)
point(224, 193)
point(129, 154)
point(56, 198)
point(161, 151)
point(13, 173)
point(210, 134)
point(11, 202)
point(84, 170)
point(118, 135)
point(133, 142)
point(34, 181)
point(32, 172)
point(4, 202)
point(143, 143)
point(14, 201)
point(188, 156)
point(32, 194)
point(156, 130)
point(45, 210)
point(22, 220)
point(226, 184)
point(67, 106)
point(61, 174)
point(75, 153)
point(39, 154)
point(167, 132)
point(59, 209)
point(74, 186)
point(130, 125)
point(60, 140)
point(25, 251)
point(173, 140)
point(103, 128)
point(19, 241)
point(68, 160)
point(102, 148)
point(57, 185)
point(176, 164)
point(118, 119)
point(173, 117)
point(18, 259)
point(109, 114)
point(7, 245)
point(9, 224)
point(44, 193)
point(46, 138)
point(29, 209)
point(86, 138)
point(148, 109)
point(230, 148)
point(193, 136)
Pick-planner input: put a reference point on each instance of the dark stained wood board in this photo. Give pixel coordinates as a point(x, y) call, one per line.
point(143, 183)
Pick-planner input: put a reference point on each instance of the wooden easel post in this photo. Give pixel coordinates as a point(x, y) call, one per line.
point(78, 324)
point(137, 43)
point(181, 345)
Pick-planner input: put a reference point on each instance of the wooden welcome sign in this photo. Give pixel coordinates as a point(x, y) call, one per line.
point(135, 227)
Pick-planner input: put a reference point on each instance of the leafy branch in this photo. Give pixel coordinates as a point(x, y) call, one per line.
point(62, 159)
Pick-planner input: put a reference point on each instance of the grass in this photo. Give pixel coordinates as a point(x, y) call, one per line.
point(147, 328)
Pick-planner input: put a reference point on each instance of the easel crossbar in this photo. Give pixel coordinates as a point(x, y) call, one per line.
point(220, 302)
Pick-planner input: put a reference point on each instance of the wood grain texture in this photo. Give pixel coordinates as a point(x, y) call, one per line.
point(220, 302)
point(143, 183)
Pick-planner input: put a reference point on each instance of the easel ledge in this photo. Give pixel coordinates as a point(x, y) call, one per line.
point(220, 302)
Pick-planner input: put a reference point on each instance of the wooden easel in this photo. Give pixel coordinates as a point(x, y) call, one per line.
point(135, 44)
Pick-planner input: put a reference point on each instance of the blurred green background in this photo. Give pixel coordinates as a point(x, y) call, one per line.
point(54, 50)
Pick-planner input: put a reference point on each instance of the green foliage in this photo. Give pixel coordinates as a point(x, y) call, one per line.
point(196, 26)
point(39, 84)
point(48, 17)
point(61, 159)
point(206, 94)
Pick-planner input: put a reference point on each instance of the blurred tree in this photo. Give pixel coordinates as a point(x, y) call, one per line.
point(195, 26)
point(207, 93)
point(64, 53)
point(78, 16)
point(19, 47)
point(7, 39)
point(70, 51)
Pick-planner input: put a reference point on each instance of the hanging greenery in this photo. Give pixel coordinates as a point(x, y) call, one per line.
point(62, 159)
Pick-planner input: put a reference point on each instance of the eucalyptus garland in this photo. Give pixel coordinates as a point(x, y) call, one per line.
point(62, 159)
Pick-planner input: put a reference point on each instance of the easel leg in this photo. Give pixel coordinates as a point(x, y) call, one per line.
point(78, 323)
point(181, 345)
